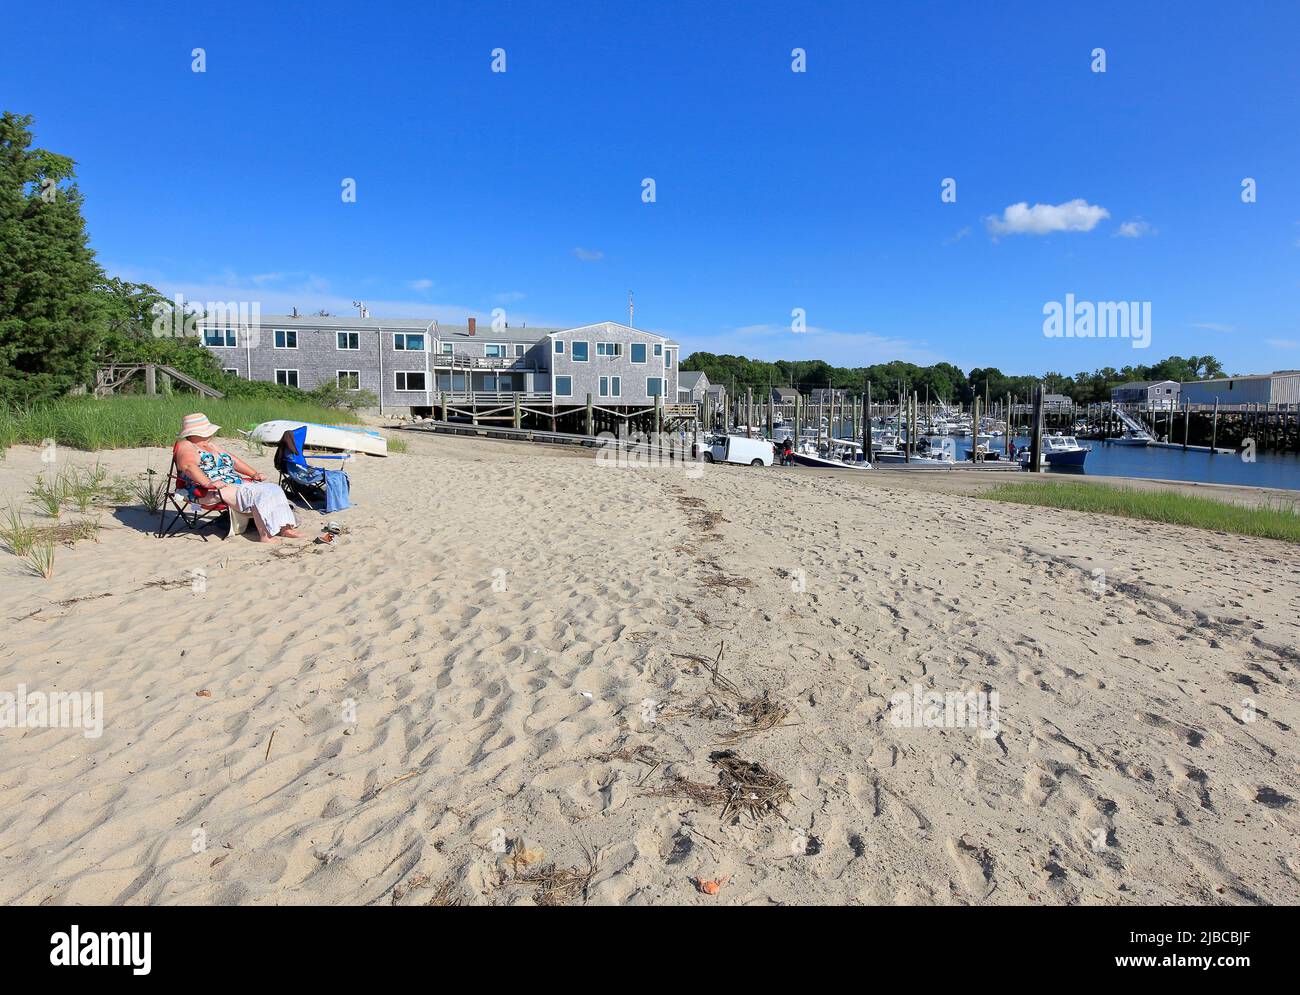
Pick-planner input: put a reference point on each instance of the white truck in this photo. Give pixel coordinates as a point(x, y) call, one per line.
point(736, 449)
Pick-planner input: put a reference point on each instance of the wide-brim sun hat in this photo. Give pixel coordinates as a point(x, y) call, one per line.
point(197, 424)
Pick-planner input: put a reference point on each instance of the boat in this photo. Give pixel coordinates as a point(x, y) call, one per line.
point(840, 454)
point(1058, 451)
point(343, 438)
point(1132, 438)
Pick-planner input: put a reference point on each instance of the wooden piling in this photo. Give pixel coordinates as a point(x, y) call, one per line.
point(1036, 438)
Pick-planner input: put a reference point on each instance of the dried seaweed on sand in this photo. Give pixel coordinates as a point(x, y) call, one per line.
point(563, 885)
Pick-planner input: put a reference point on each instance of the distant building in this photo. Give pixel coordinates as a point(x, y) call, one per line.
point(1056, 403)
point(1281, 387)
point(825, 395)
point(691, 386)
point(784, 395)
point(1161, 395)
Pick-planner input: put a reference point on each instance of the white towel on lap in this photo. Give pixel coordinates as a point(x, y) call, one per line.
point(269, 502)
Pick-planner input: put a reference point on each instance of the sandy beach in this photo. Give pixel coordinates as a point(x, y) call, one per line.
point(503, 666)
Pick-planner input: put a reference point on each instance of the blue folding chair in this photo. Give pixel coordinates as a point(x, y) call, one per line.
point(302, 482)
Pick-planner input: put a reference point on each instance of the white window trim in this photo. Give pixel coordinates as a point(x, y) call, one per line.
point(225, 334)
point(404, 336)
point(659, 349)
point(297, 379)
point(602, 386)
point(555, 385)
point(445, 349)
point(340, 348)
point(573, 358)
point(613, 350)
point(339, 373)
point(287, 332)
point(409, 390)
point(668, 359)
point(616, 386)
point(559, 347)
point(663, 386)
point(520, 349)
point(631, 355)
point(231, 370)
point(500, 346)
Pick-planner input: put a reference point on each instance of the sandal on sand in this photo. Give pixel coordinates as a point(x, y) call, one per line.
point(324, 538)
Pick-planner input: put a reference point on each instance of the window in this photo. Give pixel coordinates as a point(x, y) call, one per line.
point(349, 379)
point(579, 352)
point(654, 386)
point(604, 386)
point(349, 340)
point(286, 378)
point(412, 380)
point(564, 386)
point(609, 348)
point(286, 338)
point(408, 341)
point(220, 338)
point(659, 349)
point(519, 350)
point(616, 386)
point(494, 350)
point(668, 357)
point(444, 348)
point(231, 370)
point(638, 352)
point(559, 347)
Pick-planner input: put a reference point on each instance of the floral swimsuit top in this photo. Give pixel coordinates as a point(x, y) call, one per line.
point(218, 467)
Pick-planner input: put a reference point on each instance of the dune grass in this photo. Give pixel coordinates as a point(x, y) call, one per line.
point(130, 421)
point(1278, 520)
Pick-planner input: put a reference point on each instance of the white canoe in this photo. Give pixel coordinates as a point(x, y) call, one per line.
point(344, 438)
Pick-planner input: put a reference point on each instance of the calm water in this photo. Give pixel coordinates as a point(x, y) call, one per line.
point(1268, 470)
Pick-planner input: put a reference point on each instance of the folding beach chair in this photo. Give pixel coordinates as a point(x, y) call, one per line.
point(184, 510)
point(302, 483)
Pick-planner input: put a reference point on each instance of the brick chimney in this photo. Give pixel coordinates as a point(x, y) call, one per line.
point(472, 323)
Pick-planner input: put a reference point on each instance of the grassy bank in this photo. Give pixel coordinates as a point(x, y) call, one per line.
point(1271, 522)
point(127, 422)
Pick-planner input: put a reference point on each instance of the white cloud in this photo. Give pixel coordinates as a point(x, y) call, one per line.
point(588, 255)
point(1044, 219)
point(1135, 229)
point(1282, 343)
point(423, 284)
point(956, 237)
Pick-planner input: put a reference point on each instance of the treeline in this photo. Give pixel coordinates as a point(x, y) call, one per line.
point(61, 314)
point(943, 380)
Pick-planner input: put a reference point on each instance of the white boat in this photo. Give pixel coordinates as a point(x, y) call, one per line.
point(1132, 438)
point(343, 438)
point(1058, 450)
point(840, 454)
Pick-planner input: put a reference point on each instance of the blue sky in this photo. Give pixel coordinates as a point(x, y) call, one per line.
point(775, 190)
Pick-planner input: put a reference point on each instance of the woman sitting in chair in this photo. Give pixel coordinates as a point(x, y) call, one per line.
point(205, 468)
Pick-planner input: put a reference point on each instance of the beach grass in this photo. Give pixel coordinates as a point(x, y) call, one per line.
point(396, 445)
point(1276, 520)
point(130, 421)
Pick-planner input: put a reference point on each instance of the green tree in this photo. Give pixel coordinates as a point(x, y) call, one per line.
point(50, 317)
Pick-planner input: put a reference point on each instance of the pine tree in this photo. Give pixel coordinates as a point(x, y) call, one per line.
point(50, 315)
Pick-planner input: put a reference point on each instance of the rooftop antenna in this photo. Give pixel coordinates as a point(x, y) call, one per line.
point(361, 307)
point(630, 311)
